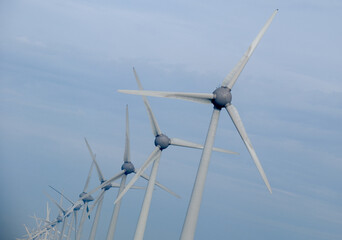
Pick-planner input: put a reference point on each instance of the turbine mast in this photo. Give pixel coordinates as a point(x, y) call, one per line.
point(189, 227)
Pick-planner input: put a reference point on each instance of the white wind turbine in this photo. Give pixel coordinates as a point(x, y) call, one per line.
point(64, 211)
point(220, 98)
point(161, 142)
point(74, 208)
point(50, 224)
point(98, 202)
point(127, 168)
point(62, 215)
point(84, 199)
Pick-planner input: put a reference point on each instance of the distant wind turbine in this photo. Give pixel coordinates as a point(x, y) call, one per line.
point(161, 142)
point(127, 168)
point(62, 215)
point(84, 199)
point(50, 224)
point(220, 98)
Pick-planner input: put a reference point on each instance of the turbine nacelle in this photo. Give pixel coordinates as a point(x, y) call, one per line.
point(222, 97)
point(78, 207)
point(128, 167)
point(106, 187)
point(162, 141)
point(59, 219)
point(88, 198)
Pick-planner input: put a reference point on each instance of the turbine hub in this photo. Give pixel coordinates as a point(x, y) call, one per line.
point(128, 167)
point(162, 141)
point(222, 97)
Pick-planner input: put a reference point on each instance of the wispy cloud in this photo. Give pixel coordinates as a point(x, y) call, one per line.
point(25, 40)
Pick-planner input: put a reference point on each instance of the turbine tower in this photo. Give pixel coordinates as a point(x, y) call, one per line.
point(161, 142)
point(220, 98)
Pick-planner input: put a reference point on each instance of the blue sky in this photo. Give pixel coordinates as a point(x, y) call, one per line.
point(62, 62)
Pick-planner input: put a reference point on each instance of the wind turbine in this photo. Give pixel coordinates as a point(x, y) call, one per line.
point(129, 168)
point(161, 142)
point(50, 224)
point(220, 98)
point(98, 202)
point(75, 206)
point(84, 199)
point(62, 215)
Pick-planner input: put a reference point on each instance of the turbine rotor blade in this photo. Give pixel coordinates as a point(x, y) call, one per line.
point(127, 155)
point(88, 177)
point(234, 115)
point(28, 232)
point(62, 194)
point(231, 78)
point(93, 157)
point(56, 203)
point(155, 128)
point(154, 155)
point(146, 177)
point(193, 97)
point(183, 143)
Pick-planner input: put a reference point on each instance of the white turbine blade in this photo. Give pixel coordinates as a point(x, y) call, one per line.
point(62, 194)
point(127, 154)
point(234, 115)
point(88, 178)
point(193, 97)
point(115, 177)
point(156, 152)
point(231, 78)
point(183, 143)
point(155, 128)
point(138, 187)
point(55, 202)
point(93, 156)
point(115, 185)
point(37, 234)
point(36, 219)
point(28, 232)
point(144, 176)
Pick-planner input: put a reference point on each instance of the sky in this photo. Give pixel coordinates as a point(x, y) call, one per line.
point(62, 62)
